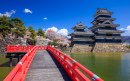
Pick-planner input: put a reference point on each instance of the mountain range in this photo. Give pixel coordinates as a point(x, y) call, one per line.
point(126, 38)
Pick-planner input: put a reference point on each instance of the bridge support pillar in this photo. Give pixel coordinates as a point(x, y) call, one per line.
point(10, 62)
point(18, 59)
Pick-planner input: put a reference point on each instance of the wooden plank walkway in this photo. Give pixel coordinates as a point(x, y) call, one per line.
point(45, 67)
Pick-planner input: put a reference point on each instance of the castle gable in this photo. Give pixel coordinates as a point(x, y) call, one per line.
point(107, 22)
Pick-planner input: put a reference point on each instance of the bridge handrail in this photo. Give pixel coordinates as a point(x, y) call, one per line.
point(20, 70)
point(41, 47)
point(71, 66)
point(16, 48)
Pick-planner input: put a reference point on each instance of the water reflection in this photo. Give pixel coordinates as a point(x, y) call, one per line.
point(108, 66)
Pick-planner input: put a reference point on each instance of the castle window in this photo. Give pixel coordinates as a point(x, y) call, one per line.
point(108, 27)
point(80, 25)
point(79, 29)
point(108, 34)
point(81, 36)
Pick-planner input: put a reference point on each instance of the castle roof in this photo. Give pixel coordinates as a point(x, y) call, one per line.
point(102, 11)
point(103, 25)
point(109, 31)
point(82, 39)
point(82, 33)
point(79, 26)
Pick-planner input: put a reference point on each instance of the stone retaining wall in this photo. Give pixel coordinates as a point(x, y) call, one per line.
point(81, 48)
point(110, 47)
point(41, 42)
point(10, 41)
point(64, 49)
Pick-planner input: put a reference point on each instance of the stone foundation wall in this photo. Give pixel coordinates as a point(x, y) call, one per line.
point(110, 47)
point(10, 41)
point(81, 48)
point(64, 49)
point(41, 42)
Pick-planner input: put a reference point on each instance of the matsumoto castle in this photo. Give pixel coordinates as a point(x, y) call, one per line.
point(102, 36)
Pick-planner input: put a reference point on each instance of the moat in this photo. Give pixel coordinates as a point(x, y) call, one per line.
point(108, 66)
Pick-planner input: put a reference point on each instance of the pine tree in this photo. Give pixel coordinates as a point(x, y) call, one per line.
point(19, 30)
point(5, 25)
point(40, 32)
point(33, 33)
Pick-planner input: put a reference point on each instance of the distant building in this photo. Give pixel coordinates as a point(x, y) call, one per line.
point(104, 29)
point(81, 36)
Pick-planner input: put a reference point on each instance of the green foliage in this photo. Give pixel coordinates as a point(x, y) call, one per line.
point(40, 32)
point(49, 43)
point(31, 42)
point(33, 33)
point(5, 25)
point(128, 47)
point(54, 42)
point(19, 29)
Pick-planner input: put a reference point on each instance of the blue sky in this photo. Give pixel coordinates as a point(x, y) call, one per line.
point(64, 14)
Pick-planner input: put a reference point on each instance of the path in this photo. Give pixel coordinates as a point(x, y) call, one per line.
point(45, 67)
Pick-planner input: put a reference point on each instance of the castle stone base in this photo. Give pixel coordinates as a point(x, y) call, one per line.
point(110, 47)
point(81, 48)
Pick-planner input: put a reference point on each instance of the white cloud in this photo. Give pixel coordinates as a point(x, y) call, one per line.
point(128, 28)
point(53, 28)
point(45, 18)
point(44, 29)
point(122, 29)
point(59, 32)
point(8, 14)
point(63, 32)
point(27, 11)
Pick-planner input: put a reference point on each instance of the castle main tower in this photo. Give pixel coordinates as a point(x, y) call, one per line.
point(104, 29)
point(107, 37)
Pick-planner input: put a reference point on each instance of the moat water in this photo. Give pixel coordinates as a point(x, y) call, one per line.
point(108, 66)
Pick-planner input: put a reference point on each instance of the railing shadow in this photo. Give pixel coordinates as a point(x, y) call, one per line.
point(61, 69)
point(6, 64)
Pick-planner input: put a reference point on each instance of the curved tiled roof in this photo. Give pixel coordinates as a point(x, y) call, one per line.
point(110, 31)
point(82, 33)
point(79, 25)
point(102, 11)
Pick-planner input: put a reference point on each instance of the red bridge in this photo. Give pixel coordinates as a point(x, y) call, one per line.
point(45, 63)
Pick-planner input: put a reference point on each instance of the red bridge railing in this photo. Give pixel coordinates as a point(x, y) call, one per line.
point(16, 48)
point(41, 47)
point(20, 70)
point(72, 67)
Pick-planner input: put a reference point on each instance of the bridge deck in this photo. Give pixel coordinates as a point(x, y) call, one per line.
point(45, 67)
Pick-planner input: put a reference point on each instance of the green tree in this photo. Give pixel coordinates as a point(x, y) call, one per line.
point(40, 32)
point(54, 42)
point(5, 25)
point(19, 29)
point(33, 33)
